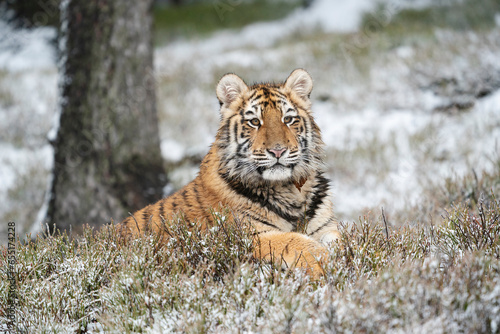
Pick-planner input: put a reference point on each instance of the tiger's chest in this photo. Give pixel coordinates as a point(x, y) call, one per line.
point(284, 207)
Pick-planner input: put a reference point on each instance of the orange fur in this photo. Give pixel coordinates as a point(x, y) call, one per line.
point(266, 166)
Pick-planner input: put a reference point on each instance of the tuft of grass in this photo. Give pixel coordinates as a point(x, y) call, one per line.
point(218, 249)
point(366, 248)
point(466, 231)
point(471, 190)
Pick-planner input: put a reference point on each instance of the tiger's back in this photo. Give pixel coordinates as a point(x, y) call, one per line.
point(265, 165)
point(194, 202)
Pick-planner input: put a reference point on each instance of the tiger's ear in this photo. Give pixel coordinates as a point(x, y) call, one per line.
point(229, 88)
point(300, 82)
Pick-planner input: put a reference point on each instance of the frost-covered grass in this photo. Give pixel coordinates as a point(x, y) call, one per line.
point(441, 278)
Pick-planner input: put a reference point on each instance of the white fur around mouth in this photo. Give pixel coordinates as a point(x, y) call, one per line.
point(277, 172)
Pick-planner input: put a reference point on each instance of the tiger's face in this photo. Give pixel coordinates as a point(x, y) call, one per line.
point(267, 132)
point(273, 129)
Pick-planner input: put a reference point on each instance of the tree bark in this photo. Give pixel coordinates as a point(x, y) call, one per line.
point(107, 148)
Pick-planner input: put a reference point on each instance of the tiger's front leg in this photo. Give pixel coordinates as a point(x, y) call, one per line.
point(291, 250)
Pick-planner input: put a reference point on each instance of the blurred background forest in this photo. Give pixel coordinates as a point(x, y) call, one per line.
point(406, 94)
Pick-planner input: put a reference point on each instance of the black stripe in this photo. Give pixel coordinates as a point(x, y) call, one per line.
point(240, 146)
point(205, 161)
point(146, 216)
point(224, 133)
point(235, 130)
point(240, 189)
point(295, 206)
point(283, 96)
point(265, 222)
point(321, 227)
point(240, 165)
point(224, 129)
point(252, 95)
point(127, 221)
point(256, 98)
point(296, 106)
point(162, 209)
point(320, 192)
point(233, 157)
point(304, 143)
point(197, 195)
point(222, 146)
point(184, 196)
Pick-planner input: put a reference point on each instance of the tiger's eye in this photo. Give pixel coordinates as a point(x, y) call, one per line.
point(288, 119)
point(255, 122)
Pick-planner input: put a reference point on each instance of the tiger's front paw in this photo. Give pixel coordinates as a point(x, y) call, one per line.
point(292, 250)
point(312, 261)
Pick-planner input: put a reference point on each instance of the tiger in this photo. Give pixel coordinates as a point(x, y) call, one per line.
point(265, 165)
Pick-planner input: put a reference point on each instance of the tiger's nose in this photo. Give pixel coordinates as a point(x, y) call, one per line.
point(277, 152)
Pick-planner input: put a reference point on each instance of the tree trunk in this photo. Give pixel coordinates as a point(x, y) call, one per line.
point(107, 149)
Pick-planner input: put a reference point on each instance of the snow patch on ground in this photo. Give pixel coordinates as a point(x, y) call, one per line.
point(26, 49)
point(329, 16)
point(15, 162)
point(335, 16)
point(172, 150)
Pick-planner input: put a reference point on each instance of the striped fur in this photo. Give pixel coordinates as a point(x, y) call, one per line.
point(266, 166)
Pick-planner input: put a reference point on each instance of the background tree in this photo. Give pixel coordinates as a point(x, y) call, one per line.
point(107, 148)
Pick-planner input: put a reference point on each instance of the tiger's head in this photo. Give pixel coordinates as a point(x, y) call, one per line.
point(267, 132)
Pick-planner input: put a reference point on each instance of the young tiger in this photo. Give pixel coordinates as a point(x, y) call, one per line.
point(266, 166)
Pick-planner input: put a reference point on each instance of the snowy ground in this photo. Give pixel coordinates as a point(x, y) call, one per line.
point(396, 120)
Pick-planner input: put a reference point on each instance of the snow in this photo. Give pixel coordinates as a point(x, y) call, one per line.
point(172, 150)
point(335, 16)
point(23, 50)
point(387, 109)
point(329, 16)
point(15, 161)
point(355, 126)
